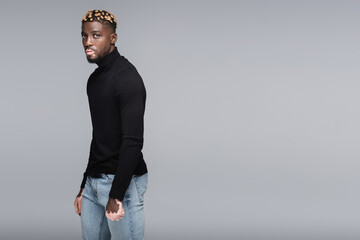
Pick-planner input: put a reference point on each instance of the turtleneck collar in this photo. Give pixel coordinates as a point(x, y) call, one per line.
point(108, 60)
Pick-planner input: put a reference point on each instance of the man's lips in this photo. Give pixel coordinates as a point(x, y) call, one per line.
point(89, 52)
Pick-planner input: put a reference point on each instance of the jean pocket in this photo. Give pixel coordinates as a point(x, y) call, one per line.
point(109, 177)
point(141, 186)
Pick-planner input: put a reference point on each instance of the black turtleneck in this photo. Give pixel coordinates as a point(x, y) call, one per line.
point(117, 97)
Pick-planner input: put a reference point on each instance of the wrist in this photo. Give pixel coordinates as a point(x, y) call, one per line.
point(80, 192)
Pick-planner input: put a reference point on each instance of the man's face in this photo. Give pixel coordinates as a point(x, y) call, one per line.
point(98, 40)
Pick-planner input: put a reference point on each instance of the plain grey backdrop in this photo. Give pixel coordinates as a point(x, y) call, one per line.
point(251, 123)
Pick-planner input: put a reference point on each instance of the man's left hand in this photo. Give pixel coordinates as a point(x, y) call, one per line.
point(114, 210)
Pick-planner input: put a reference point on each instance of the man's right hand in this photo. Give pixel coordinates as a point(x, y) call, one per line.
point(77, 202)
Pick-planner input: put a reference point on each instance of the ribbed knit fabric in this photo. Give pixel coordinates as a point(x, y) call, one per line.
point(117, 95)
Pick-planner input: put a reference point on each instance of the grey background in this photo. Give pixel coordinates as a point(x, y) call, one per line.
point(251, 124)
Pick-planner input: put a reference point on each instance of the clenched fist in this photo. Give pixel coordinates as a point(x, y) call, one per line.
point(114, 210)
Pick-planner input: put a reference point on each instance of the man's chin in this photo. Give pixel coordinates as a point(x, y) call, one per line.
point(92, 60)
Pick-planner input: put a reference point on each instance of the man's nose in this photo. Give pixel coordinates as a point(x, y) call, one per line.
point(88, 42)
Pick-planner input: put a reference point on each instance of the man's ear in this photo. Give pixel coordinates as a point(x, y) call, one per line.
point(113, 38)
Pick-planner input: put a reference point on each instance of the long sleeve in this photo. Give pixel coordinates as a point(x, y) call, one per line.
point(131, 97)
point(83, 181)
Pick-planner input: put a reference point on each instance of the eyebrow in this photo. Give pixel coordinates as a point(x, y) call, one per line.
point(95, 31)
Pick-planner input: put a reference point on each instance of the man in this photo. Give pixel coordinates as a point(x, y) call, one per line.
point(110, 201)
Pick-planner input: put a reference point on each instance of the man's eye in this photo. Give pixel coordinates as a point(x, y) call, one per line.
point(96, 35)
point(83, 36)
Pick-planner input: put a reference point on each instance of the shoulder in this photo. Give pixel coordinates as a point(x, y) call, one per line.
point(127, 78)
point(125, 74)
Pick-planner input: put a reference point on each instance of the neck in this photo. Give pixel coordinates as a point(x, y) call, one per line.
point(111, 49)
point(108, 59)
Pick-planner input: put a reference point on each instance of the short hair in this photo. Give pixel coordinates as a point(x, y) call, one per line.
point(101, 16)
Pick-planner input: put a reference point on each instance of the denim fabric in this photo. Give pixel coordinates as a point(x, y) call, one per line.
point(95, 226)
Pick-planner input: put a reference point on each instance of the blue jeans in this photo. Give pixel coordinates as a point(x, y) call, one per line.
point(94, 224)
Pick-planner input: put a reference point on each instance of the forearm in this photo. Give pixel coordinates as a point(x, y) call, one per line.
point(83, 180)
point(130, 154)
